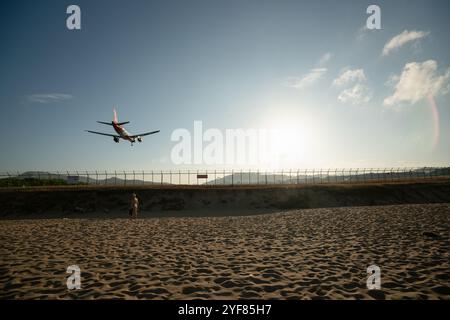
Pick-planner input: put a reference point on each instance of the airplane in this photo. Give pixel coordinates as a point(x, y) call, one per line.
point(121, 132)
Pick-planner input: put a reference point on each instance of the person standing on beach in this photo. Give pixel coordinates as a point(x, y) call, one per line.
point(134, 205)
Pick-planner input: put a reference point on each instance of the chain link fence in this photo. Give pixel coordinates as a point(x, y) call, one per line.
point(220, 177)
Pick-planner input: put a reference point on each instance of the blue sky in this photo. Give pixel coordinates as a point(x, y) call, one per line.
point(231, 64)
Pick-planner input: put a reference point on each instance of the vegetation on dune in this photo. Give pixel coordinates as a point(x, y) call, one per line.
point(32, 182)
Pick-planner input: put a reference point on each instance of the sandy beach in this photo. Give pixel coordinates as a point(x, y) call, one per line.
point(295, 254)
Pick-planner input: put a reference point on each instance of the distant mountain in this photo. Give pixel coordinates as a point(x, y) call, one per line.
point(326, 175)
point(237, 178)
point(73, 178)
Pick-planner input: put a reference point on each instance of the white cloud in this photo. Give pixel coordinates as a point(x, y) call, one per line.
point(362, 32)
point(325, 58)
point(49, 97)
point(392, 80)
point(417, 81)
point(349, 76)
point(403, 38)
point(357, 95)
point(307, 80)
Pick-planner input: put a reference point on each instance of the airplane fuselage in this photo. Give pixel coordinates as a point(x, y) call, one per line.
point(122, 132)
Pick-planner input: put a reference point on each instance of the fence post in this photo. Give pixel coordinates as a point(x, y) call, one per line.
point(162, 178)
point(106, 177)
point(125, 178)
point(232, 177)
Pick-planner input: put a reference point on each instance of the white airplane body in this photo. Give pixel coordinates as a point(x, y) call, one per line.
point(121, 132)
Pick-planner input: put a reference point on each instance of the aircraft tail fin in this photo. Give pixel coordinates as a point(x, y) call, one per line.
point(114, 120)
point(115, 115)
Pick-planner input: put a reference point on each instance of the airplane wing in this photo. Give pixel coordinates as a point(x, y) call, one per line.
point(144, 134)
point(104, 134)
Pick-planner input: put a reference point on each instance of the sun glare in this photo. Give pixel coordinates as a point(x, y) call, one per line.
point(290, 144)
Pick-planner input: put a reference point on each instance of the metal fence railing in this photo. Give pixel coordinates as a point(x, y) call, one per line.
point(221, 177)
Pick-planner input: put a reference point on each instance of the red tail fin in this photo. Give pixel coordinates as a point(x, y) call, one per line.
point(115, 116)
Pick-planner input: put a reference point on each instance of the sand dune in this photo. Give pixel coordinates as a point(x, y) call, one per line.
point(297, 254)
point(91, 201)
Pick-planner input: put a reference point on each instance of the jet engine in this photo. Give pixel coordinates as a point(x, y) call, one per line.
point(139, 139)
point(116, 139)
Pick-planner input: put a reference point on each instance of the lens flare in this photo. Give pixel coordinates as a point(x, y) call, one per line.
point(435, 114)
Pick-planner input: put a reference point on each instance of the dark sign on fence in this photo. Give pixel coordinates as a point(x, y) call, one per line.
point(202, 176)
point(73, 179)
